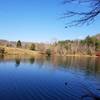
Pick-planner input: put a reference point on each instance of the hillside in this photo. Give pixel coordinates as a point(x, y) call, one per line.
point(19, 51)
point(98, 36)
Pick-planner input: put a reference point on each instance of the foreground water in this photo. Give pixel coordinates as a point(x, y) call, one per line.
point(45, 78)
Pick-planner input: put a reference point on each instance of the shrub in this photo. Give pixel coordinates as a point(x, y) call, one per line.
point(32, 47)
point(48, 52)
point(2, 50)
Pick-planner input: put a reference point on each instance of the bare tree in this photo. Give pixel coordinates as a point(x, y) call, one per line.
point(84, 17)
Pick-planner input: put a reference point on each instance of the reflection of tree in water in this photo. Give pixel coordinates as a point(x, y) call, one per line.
point(40, 61)
point(1, 57)
point(32, 60)
point(97, 65)
point(17, 62)
point(48, 58)
point(65, 62)
point(90, 95)
point(90, 65)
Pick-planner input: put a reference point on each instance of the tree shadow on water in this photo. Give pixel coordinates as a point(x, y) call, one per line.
point(32, 60)
point(1, 57)
point(17, 61)
point(89, 95)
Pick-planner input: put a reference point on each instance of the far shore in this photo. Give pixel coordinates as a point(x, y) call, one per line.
point(19, 51)
point(11, 51)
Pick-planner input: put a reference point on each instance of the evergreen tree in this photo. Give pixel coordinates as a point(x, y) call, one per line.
point(19, 45)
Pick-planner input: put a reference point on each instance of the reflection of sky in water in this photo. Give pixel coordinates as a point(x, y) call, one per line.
point(56, 78)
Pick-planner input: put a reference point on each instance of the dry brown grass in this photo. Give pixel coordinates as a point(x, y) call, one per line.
point(25, 52)
point(19, 51)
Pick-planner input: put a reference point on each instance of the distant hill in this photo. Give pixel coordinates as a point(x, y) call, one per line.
point(98, 36)
point(3, 42)
point(7, 43)
point(12, 43)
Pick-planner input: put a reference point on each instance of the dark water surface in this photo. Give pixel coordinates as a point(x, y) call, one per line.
point(45, 78)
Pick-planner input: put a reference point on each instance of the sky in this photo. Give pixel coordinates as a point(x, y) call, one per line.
point(39, 21)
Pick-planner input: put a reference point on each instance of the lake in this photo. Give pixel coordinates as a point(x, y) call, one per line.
point(49, 78)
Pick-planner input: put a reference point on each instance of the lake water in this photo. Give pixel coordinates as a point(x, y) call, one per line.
point(50, 78)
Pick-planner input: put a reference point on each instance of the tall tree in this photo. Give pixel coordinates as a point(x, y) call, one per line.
point(19, 44)
point(84, 16)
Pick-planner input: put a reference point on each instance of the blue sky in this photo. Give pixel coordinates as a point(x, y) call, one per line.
point(38, 21)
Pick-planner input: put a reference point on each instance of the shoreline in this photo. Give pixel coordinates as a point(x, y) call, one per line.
point(39, 54)
point(11, 51)
point(77, 55)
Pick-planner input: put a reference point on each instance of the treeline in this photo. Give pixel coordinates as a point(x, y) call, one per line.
point(87, 46)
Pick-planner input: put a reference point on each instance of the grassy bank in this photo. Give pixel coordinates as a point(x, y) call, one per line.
point(26, 52)
point(19, 51)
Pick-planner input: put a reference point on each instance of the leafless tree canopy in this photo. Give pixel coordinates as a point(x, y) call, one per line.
point(85, 17)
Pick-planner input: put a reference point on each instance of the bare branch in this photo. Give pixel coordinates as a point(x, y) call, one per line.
point(84, 17)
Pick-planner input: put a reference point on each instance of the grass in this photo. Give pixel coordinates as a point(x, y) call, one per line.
point(26, 52)
point(19, 51)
